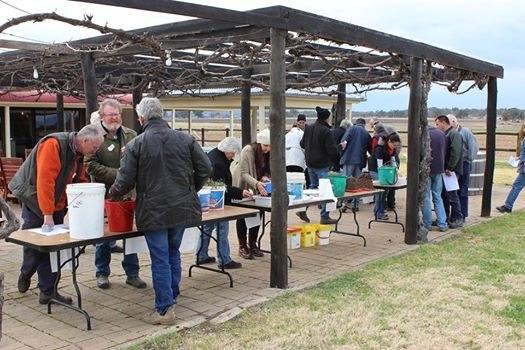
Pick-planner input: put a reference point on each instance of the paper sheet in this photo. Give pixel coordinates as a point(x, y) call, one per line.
point(451, 182)
point(513, 161)
point(326, 192)
point(64, 255)
point(253, 221)
point(58, 229)
point(135, 245)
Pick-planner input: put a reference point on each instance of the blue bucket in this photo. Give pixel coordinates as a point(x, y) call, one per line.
point(204, 198)
point(295, 189)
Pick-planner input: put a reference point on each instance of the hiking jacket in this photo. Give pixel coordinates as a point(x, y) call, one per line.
point(221, 172)
point(319, 145)
point(167, 167)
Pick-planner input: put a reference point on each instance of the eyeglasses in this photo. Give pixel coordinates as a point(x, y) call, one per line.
point(111, 114)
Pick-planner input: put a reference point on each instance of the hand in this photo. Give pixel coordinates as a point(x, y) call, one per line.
point(48, 220)
point(247, 193)
point(343, 144)
point(261, 189)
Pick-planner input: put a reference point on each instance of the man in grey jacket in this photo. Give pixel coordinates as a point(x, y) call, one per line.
point(167, 168)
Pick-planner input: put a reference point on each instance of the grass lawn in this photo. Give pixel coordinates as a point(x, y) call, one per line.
point(464, 292)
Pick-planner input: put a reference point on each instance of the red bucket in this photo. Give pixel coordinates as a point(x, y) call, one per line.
point(120, 215)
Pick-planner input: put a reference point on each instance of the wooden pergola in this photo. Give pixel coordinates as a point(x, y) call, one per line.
point(274, 48)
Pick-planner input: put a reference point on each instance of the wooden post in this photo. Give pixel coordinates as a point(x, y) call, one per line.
point(136, 96)
point(492, 97)
point(278, 233)
point(414, 150)
point(246, 124)
point(60, 112)
point(90, 83)
point(340, 107)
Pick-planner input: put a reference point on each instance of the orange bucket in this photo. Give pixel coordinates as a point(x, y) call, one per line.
point(120, 215)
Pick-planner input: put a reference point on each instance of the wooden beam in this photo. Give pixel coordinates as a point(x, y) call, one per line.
point(414, 150)
point(60, 112)
point(24, 45)
point(490, 142)
point(246, 122)
point(90, 83)
point(278, 226)
point(338, 31)
point(194, 10)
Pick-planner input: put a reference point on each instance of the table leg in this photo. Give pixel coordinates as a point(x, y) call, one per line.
point(264, 224)
point(75, 263)
point(354, 212)
point(395, 222)
point(199, 266)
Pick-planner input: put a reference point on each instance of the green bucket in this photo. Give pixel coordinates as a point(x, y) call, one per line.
point(387, 175)
point(338, 184)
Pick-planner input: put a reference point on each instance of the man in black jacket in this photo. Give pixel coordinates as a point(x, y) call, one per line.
point(167, 168)
point(321, 152)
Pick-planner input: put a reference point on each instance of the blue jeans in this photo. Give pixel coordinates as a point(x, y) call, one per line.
point(353, 170)
point(379, 199)
point(130, 262)
point(166, 270)
point(316, 174)
point(35, 260)
point(463, 181)
point(223, 245)
point(434, 188)
point(517, 186)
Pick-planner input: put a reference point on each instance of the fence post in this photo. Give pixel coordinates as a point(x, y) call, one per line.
point(202, 137)
point(227, 132)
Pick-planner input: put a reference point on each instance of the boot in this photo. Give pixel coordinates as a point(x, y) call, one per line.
point(244, 251)
point(255, 251)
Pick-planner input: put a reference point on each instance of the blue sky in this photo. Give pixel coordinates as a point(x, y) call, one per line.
point(489, 30)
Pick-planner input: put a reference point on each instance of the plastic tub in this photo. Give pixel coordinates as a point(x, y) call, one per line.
point(338, 184)
point(204, 198)
point(387, 175)
point(217, 198)
point(120, 215)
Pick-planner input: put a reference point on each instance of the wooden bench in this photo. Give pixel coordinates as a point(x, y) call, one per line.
point(8, 168)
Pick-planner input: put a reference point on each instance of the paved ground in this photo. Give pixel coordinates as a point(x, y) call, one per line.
point(206, 296)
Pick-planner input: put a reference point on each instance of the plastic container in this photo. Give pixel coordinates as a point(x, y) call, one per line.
point(294, 237)
point(204, 198)
point(217, 198)
point(323, 234)
point(338, 184)
point(120, 215)
point(264, 201)
point(387, 175)
point(308, 233)
point(86, 210)
point(268, 187)
point(295, 185)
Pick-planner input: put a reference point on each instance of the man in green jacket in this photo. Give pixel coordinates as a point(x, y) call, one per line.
point(103, 166)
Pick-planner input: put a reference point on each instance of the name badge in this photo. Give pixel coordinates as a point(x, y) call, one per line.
point(111, 147)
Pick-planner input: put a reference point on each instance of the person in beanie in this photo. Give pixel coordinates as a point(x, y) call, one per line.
point(321, 152)
point(250, 174)
point(221, 159)
point(167, 168)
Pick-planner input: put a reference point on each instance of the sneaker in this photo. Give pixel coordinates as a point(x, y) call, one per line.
point(328, 221)
point(155, 318)
point(302, 215)
point(231, 265)
point(384, 217)
point(503, 209)
point(456, 224)
point(208, 260)
point(245, 252)
point(45, 298)
point(434, 223)
point(23, 283)
point(136, 282)
point(256, 252)
point(443, 229)
point(117, 249)
point(103, 282)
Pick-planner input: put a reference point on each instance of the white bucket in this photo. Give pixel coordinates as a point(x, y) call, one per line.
point(295, 184)
point(323, 237)
point(86, 210)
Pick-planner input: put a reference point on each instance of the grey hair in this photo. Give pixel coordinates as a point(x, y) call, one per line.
point(109, 102)
point(345, 123)
point(90, 132)
point(150, 108)
point(230, 144)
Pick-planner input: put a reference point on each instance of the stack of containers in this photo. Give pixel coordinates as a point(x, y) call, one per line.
point(294, 237)
point(323, 234)
point(308, 233)
point(295, 184)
